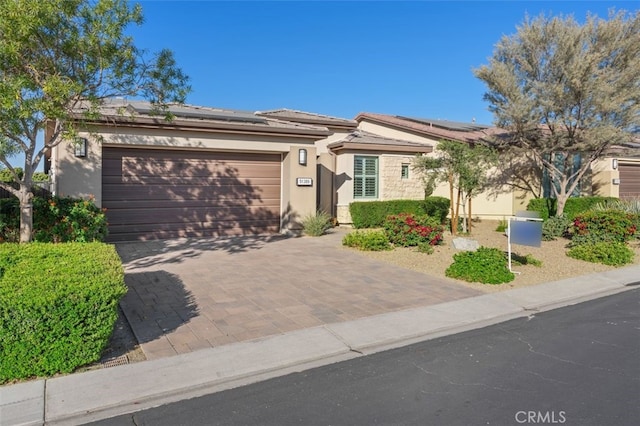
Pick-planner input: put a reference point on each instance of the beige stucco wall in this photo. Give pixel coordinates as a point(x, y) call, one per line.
point(602, 176)
point(82, 177)
point(77, 176)
point(321, 145)
point(394, 133)
point(297, 201)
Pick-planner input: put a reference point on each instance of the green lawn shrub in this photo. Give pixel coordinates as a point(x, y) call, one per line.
point(367, 240)
point(502, 225)
point(485, 265)
point(607, 253)
point(316, 224)
point(55, 219)
point(372, 214)
point(547, 207)
point(604, 226)
point(58, 306)
point(409, 230)
point(555, 227)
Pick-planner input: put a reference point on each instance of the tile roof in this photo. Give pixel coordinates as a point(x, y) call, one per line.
point(362, 140)
point(132, 112)
point(308, 117)
point(439, 129)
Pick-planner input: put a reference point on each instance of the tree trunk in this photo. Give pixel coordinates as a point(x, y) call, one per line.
point(454, 223)
point(470, 215)
point(454, 228)
point(560, 202)
point(26, 214)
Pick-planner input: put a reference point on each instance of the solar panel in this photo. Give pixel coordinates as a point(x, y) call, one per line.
point(190, 112)
point(449, 125)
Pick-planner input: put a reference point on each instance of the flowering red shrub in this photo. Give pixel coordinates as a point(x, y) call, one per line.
point(408, 230)
point(607, 225)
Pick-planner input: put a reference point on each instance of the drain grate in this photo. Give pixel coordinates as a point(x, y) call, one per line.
point(121, 360)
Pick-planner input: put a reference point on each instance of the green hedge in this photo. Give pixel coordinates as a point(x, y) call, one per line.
point(58, 306)
point(547, 207)
point(372, 214)
point(55, 219)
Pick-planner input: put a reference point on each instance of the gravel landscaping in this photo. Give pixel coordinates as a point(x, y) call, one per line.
point(556, 265)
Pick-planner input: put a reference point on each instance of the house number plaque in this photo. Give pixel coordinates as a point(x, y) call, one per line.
point(304, 181)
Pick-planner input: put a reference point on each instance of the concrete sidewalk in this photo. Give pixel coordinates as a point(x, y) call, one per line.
point(99, 394)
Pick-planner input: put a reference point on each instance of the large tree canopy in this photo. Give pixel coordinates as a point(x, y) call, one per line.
point(57, 55)
point(566, 92)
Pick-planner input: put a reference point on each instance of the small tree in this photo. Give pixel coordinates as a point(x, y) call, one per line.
point(566, 93)
point(464, 168)
point(59, 55)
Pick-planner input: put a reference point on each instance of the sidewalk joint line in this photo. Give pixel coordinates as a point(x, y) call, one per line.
point(341, 339)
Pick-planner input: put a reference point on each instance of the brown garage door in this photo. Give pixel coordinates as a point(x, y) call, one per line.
point(155, 194)
point(629, 180)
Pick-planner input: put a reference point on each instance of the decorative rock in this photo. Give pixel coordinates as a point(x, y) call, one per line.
point(465, 244)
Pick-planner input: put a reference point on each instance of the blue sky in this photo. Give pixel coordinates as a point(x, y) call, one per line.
point(412, 58)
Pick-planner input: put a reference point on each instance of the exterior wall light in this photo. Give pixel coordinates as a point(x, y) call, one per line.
point(302, 157)
point(80, 147)
point(614, 163)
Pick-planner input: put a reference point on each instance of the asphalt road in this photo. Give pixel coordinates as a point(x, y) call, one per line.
point(578, 365)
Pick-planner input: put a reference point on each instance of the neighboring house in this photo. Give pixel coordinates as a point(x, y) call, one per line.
point(618, 175)
point(208, 172)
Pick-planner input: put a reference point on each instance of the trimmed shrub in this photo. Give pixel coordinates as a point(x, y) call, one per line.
point(437, 207)
point(608, 253)
point(316, 224)
point(58, 306)
point(604, 226)
point(367, 240)
point(372, 214)
point(485, 265)
point(547, 207)
point(555, 227)
point(56, 219)
point(408, 230)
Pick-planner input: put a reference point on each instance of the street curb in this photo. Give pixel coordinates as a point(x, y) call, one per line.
point(100, 394)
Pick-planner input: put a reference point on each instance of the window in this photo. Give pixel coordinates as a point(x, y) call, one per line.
point(405, 172)
point(575, 162)
point(365, 177)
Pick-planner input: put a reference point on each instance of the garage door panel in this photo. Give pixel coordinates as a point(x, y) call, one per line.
point(133, 167)
point(207, 194)
point(130, 233)
point(151, 194)
point(272, 203)
point(227, 214)
point(191, 180)
point(629, 180)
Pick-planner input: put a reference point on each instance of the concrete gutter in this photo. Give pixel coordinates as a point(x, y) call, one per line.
point(99, 394)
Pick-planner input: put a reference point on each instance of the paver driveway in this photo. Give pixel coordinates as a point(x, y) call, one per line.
point(191, 294)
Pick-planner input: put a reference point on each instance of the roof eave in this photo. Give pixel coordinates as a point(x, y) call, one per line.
point(159, 123)
point(355, 146)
